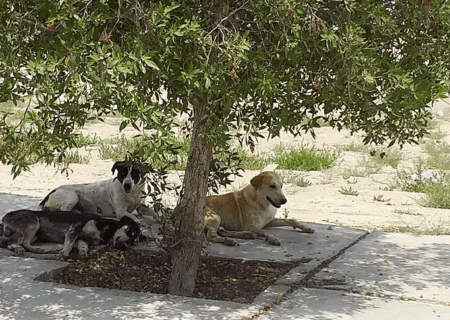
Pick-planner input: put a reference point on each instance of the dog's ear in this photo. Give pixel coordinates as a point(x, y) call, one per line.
point(126, 220)
point(116, 166)
point(257, 181)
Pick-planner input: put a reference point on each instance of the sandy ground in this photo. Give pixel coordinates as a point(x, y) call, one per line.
point(321, 202)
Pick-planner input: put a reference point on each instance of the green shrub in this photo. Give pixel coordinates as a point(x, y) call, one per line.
point(303, 158)
point(437, 193)
point(438, 155)
point(157, 153)
point(84, 141)
point(251, 161)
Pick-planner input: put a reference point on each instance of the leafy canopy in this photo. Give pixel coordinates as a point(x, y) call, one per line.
point(258, 66)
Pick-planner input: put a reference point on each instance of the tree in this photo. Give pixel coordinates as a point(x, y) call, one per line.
point(234, 68)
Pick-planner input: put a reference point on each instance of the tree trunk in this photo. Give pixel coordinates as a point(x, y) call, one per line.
point(187, 234)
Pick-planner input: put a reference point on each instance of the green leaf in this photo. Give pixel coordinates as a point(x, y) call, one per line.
point(151, 64)
point(124, 124)
point(171, 8)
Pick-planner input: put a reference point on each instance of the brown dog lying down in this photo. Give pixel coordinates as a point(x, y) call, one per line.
point(244, 214)
point(21, 228)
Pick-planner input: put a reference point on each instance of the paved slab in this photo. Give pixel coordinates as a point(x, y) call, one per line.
point(10, 202)
point(319, 304)
point(391, 264)
point(383, 276)
point(325, 242)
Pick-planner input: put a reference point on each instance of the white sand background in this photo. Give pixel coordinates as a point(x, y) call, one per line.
point(320, 202)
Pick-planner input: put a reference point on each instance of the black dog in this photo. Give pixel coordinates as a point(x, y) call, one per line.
point(22, 228)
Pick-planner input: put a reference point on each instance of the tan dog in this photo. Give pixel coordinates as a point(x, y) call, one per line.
point(243, 214)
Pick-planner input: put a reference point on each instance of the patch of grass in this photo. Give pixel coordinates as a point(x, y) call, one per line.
point(303, 158)
point(400, 229)
point(115, 149)
point(84, 141)
point(389, 157)
point(118, 148)
point(437, 194)
point(354, 147)
point(369, 166)
point(436, 190)
point(407, 211)
point(347, 173)
point(292, 158)
point(295, 179)
point(404, 180)
point(75, 157)
point(435, 134)
point(328, 176)
point(251, 161)
point(380, 198)
point(423, 224)
point(286, 213)
point(438, 155)
point(434, 231)
point(348, 192)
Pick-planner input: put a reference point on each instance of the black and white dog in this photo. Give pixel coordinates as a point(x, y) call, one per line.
point(113, 198)
point(21, 228)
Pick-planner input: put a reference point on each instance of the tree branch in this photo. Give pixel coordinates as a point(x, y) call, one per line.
point(226, 18)
point(39, 25)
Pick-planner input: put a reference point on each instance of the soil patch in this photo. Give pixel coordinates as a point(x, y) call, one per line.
point(146, 271)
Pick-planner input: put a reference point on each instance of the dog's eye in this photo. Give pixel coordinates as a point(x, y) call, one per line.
point(273, 186)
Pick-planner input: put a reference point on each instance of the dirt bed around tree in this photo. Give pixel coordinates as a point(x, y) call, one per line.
point(147, 271)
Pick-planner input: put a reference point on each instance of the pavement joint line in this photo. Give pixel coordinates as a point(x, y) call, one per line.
point(303, 282)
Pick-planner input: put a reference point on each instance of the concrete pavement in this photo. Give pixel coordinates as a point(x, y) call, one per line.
point(345, 274)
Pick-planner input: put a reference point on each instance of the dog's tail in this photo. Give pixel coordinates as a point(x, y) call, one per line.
point(43, 202)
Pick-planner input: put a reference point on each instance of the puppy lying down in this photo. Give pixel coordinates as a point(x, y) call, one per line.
point(21, 228)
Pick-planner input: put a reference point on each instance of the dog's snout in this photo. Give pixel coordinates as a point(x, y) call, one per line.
point(127, 187)
point(283, 201)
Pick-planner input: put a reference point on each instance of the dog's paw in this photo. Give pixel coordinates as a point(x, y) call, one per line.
point(64, 253)
point(306, 229)
point(17, 249)
point(273, 240)
point(303, 228)
point(230, 242)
